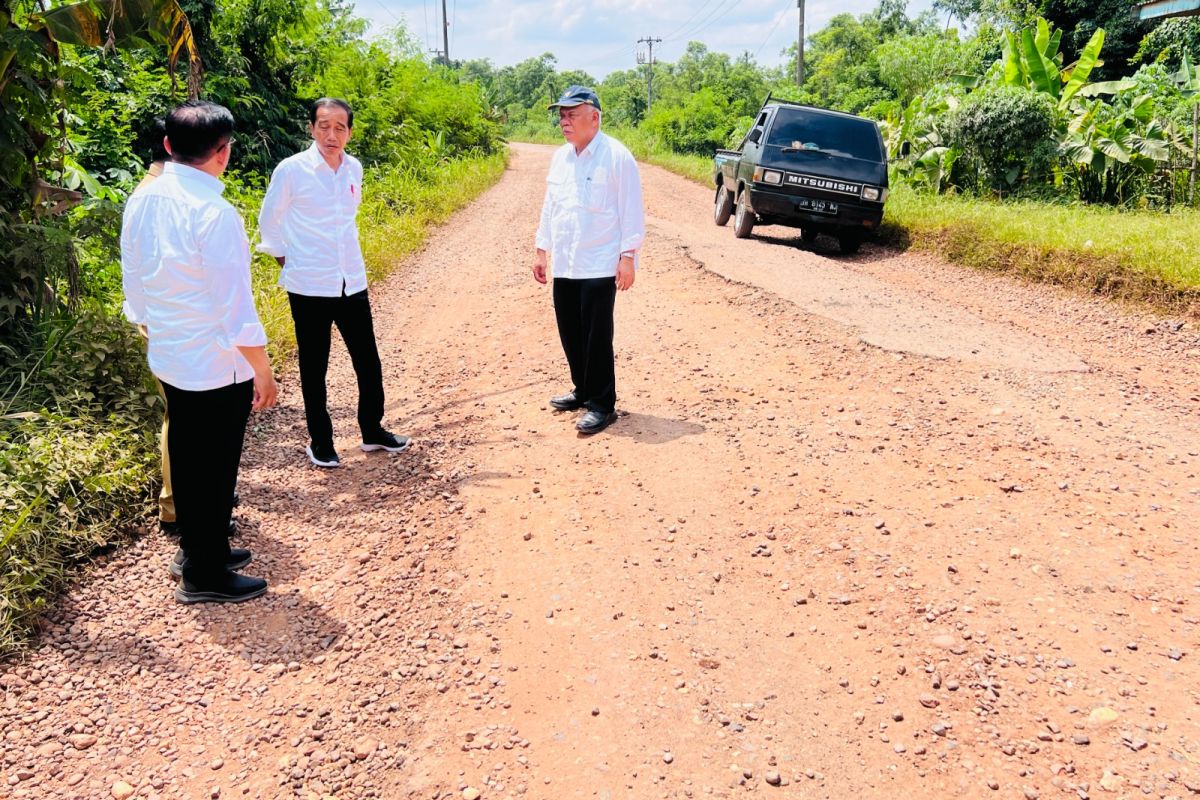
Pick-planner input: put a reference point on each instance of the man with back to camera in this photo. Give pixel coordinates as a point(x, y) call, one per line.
point(166, 498)
point(185, 268)
point(308, 224)
point(591, 228)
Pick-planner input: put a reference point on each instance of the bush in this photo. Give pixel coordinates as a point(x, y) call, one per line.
point(701, 125)
point(1007, 133)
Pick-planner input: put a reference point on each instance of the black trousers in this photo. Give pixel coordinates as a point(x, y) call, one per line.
point(314, 318)
point(584, 311)
point(204, 442)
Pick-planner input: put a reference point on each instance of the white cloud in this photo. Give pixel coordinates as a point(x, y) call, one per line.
point(600, 37)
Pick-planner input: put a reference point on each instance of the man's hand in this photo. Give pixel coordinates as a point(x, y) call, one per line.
point(266, 391)
point(539, 266)
point(625, 273)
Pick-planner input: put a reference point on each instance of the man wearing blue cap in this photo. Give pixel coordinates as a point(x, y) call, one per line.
point(591, 229)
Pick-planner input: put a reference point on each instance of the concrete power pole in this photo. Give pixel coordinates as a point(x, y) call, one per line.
point(446, 34)
point(800, 46)
point(649, 41)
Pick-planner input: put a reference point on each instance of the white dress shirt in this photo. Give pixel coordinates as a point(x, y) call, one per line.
point(185, 269)
point(592, 212)
point(308, 218)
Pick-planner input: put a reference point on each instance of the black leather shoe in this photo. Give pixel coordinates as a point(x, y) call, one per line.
point(595, 421)
point(566, 402)
point(229, 587)
point(238, 558)
point(172, 528)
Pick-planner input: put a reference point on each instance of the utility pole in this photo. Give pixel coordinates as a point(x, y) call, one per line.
point(649, 41)
point(800, 46)
point(446, 34)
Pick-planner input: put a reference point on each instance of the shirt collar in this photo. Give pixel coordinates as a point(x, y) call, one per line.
point(592, 147)
point(317, 161)
point(189, 173)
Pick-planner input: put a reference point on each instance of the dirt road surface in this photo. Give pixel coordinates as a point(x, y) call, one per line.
point(870, 527)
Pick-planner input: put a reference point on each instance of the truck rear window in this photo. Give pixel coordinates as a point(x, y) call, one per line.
point(839, 136)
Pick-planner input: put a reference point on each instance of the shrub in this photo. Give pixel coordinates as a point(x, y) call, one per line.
point(1007, 133)
point(701, 125)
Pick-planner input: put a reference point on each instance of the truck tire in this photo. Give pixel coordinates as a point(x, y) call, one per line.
point(849, 243)
point(722, 206)
point(808, 235)
point(743, 220)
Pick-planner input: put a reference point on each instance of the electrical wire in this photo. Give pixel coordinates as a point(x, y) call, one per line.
point(425, 15)
point(688, 21)
point(717, 13)
point(774, 28)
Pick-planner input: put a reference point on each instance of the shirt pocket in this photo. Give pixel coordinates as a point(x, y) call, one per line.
point(558, 189)
point(596, 191)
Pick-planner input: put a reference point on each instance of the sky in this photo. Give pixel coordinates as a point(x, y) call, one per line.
point(601, 36)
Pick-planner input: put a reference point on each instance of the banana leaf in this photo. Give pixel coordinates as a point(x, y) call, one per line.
point(1083, 67)
point(1014, 69)
point(1043, 72)
point(1106, 87)
point(128, 23)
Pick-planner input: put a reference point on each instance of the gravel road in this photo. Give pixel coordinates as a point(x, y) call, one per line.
point(870, 526)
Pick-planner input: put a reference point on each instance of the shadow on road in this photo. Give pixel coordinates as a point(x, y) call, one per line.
point(649, 429)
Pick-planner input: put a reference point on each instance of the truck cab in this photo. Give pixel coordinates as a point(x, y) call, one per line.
point(810, 168)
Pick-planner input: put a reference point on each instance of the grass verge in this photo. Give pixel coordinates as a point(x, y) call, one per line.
point(79, 416)
point(1141, 256)
point(1145, 256)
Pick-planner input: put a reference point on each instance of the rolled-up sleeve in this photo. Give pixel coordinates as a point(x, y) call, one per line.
point(134, 305)
point(225, 255)
point(630, 212)
point(270, 215)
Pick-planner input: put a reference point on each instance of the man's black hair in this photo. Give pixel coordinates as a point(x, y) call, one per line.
point(197, 129)
point(158, 151)
point(335, 102)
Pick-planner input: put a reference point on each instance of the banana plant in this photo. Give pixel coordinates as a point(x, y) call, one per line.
point(1113, 144)
point(1032, 60)
point(916, 150)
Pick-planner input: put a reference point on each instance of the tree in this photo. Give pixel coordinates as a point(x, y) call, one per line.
point(1080, 19)
point(910, 64)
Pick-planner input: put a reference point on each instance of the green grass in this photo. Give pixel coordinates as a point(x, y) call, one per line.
point(401, 207)
point(79, 423)
point(1143, 256)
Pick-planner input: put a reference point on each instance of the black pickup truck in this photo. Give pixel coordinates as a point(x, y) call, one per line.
point(809, 168)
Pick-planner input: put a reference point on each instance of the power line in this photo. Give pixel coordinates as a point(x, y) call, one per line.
point(774, 28)
point(388, 9)
point(717, 14)
point(688, 21)
point(425, 14)
point(717, 11)
point(623, 49)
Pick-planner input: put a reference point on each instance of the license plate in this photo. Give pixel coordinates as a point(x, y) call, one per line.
point(816, 206)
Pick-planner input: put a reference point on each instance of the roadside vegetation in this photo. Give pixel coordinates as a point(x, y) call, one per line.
point(1054, 139)
point(79, 414)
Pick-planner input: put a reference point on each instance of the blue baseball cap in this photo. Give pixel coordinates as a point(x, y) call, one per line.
point(576, 96)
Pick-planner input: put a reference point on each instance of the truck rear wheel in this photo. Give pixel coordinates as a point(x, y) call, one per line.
point(743, 221)
point(722, 206)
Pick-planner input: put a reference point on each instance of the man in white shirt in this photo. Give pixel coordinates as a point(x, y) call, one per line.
point(185, 268)
point(591, 229)
point(308, 224)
